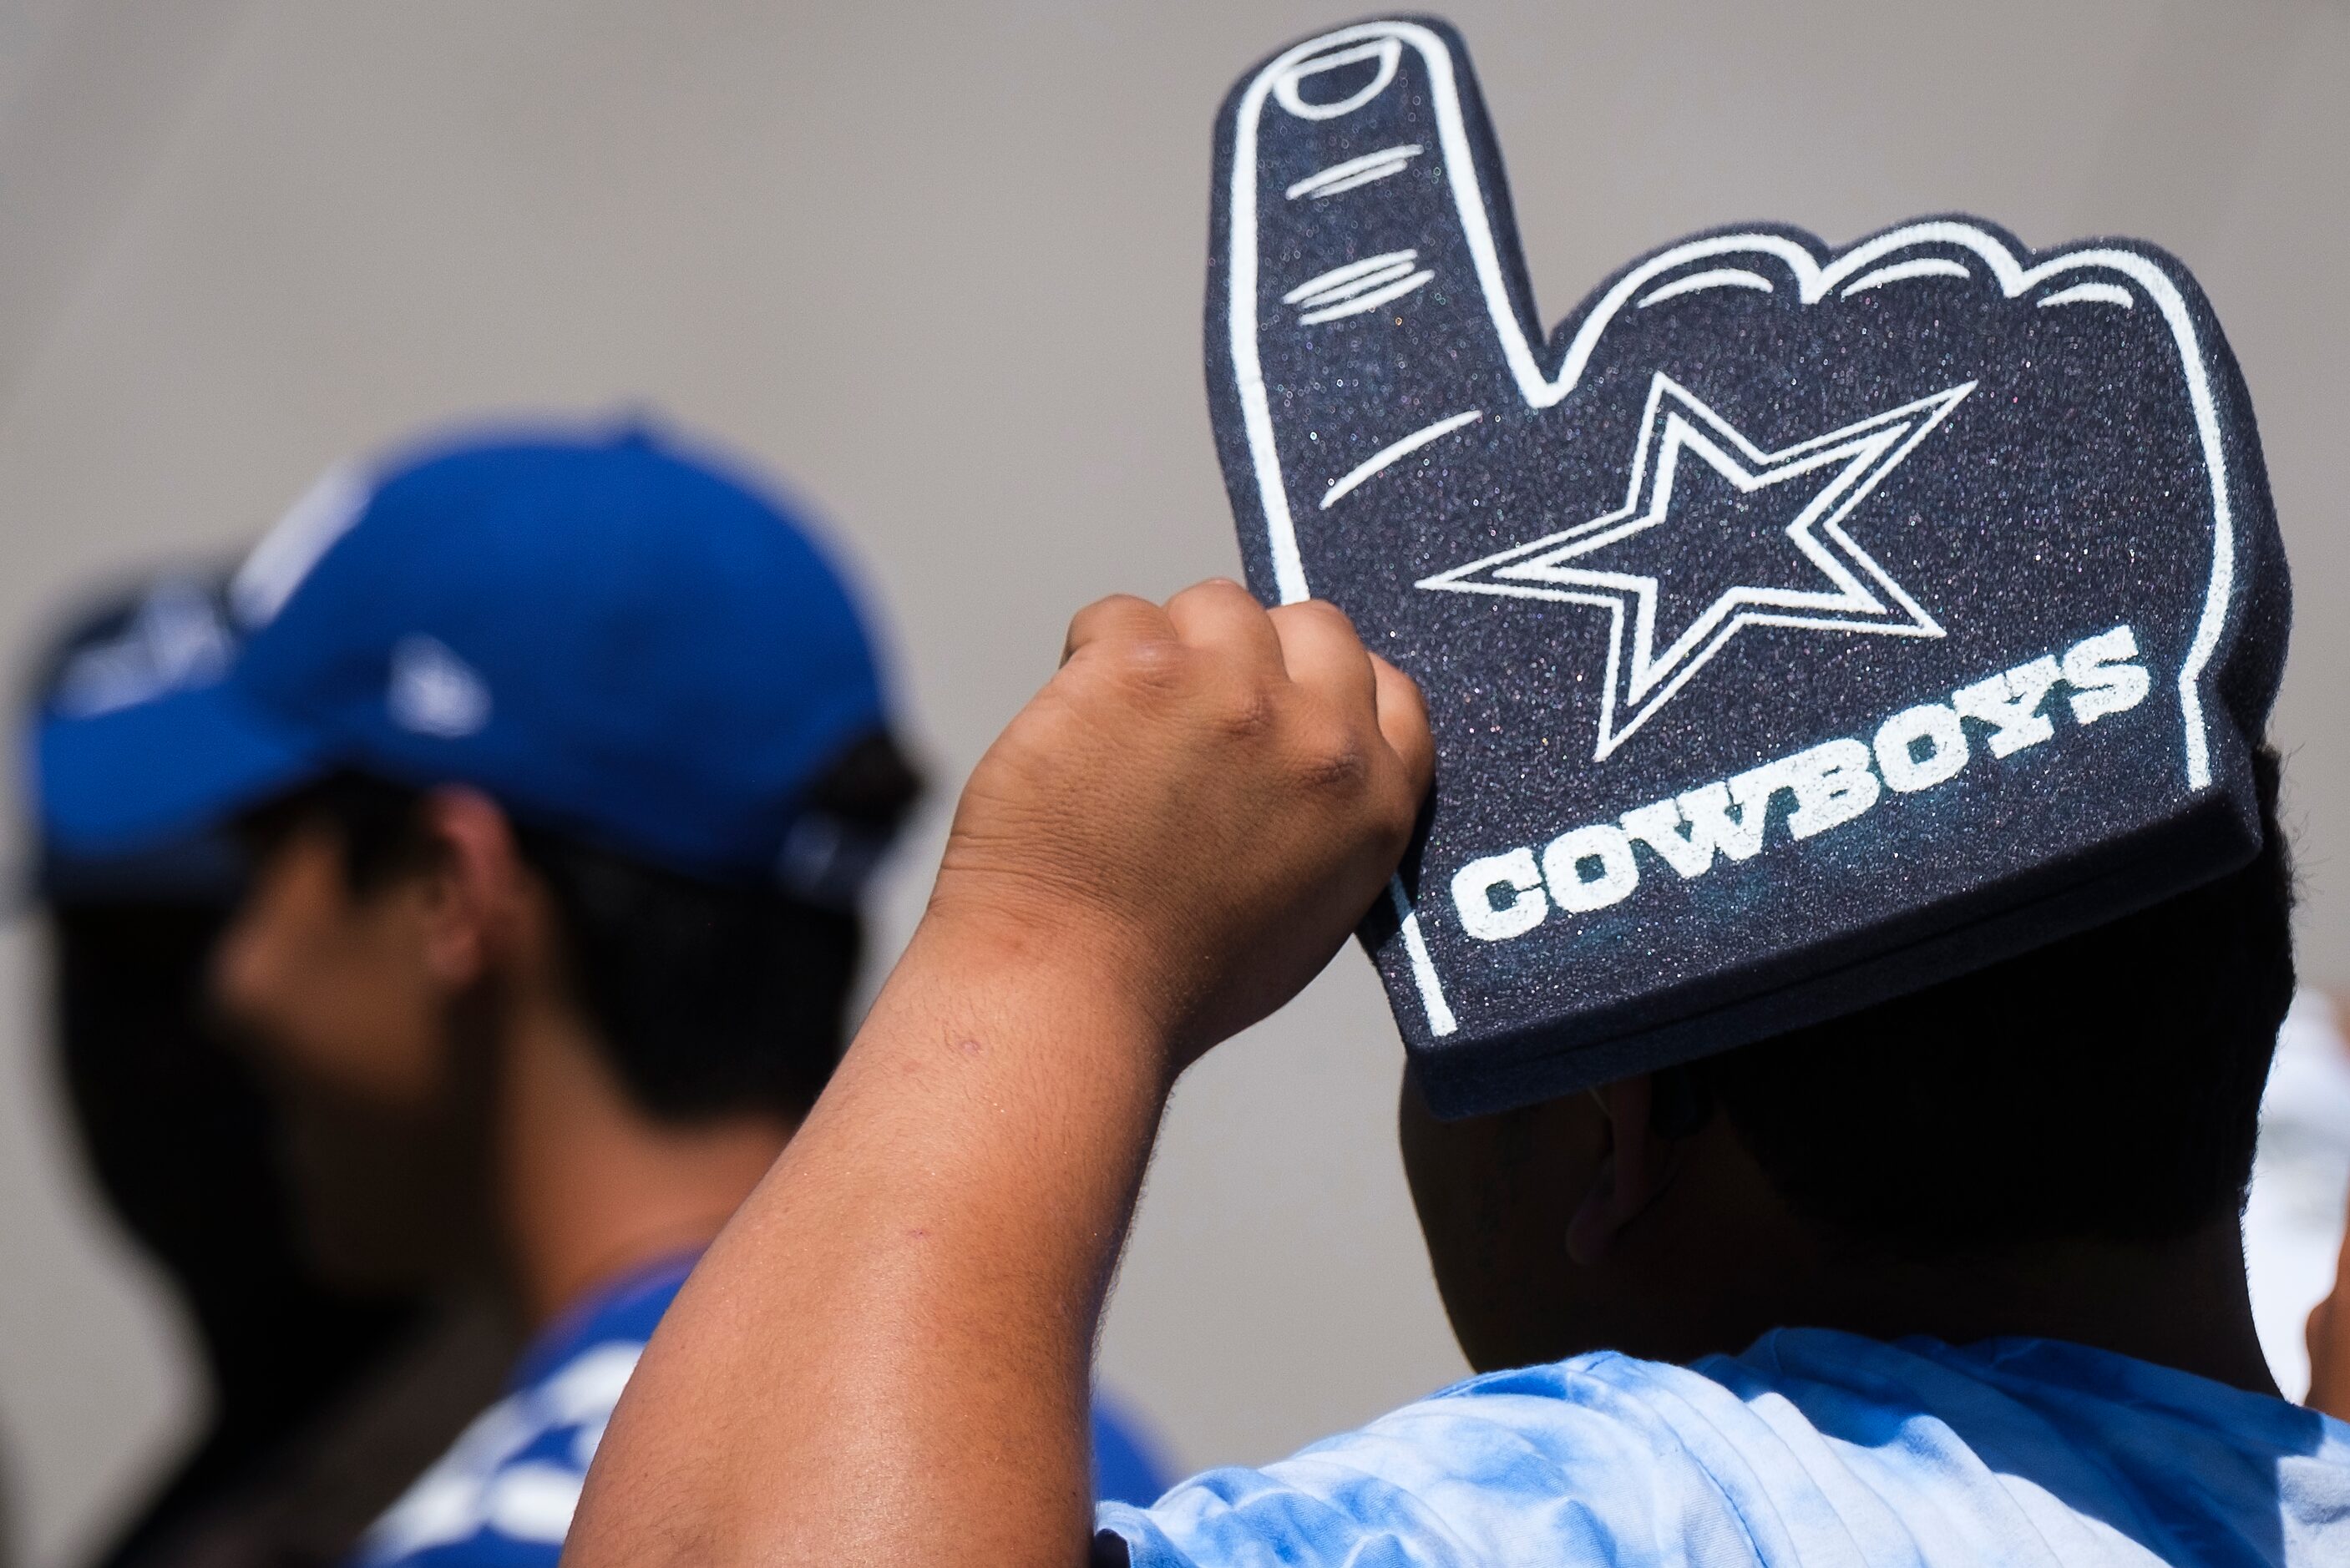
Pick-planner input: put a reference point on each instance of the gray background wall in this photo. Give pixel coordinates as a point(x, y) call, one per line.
point(942, 267)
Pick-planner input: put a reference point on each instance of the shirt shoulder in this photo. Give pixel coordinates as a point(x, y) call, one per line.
point(1577, 1462)
point(1813, 1448)
point(503, 1494)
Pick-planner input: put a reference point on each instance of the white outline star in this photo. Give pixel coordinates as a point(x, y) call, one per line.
point(1860, 456)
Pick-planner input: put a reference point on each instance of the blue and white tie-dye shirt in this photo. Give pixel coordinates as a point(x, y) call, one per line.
point(504, 1495)
point(1813, 1448)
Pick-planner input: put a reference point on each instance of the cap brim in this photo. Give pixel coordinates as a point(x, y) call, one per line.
point(139, 777)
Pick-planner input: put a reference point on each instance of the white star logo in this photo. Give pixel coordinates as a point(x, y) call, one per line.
point(1845, 465)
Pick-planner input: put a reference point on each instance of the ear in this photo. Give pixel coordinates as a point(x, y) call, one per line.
point(474, 892)
point(1631, 1176)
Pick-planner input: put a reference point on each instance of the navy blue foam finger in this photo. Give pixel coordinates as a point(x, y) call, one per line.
point(1800, 627)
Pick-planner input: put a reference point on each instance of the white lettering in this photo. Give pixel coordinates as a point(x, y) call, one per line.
point(1563, 861)
point(1898, 737)
point(1709, 804)
point(2010, 702)
point(1710, 827)
point(1916, 749)
point(1473, 887)
point(1832, 785)
point(2104, 683)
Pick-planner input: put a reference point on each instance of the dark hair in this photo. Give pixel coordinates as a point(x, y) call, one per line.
point(2105, 1086)
point(177, 1130)
point(711, 997)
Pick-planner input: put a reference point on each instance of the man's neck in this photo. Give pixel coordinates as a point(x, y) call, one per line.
point(2181, 1304)
point(591, 1186)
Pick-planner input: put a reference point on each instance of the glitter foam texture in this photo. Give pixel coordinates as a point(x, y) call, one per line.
point(2069, 492)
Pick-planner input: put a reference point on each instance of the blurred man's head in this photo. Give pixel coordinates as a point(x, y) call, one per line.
point(554, 736)
point(187, 1149)
point(386, 921)
point(2088, 1100)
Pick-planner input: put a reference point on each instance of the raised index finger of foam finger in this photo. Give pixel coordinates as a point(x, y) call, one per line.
point(1364, 264)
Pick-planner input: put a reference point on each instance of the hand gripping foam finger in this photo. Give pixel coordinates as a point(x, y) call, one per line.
point(1799, 626)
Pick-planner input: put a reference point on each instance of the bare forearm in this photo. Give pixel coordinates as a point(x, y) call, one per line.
point(884, 1358)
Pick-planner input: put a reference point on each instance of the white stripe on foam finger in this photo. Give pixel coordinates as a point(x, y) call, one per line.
point(1901, 272)
point(1394, 451)
point(1719, 277)
point(1368, 302)
point(1355, 171)
point(1332, 283)
point(2090, 294)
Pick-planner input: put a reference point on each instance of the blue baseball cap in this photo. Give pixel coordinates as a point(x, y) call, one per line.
point(615, 639)
point(169, 631)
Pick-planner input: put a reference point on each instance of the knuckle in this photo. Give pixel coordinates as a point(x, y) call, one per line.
point(1332, 760)
point(1318, 613)
point(1106, 622)
point(1144, 667)
point(1243, 708)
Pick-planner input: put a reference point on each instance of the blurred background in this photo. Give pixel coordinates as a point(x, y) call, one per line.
point(942, 267)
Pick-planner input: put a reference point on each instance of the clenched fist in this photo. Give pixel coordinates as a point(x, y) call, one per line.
point(1196, 810)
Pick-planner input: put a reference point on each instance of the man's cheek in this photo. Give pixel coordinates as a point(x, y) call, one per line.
point(246, 978)
point(301, 1001)
point(269, 950)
